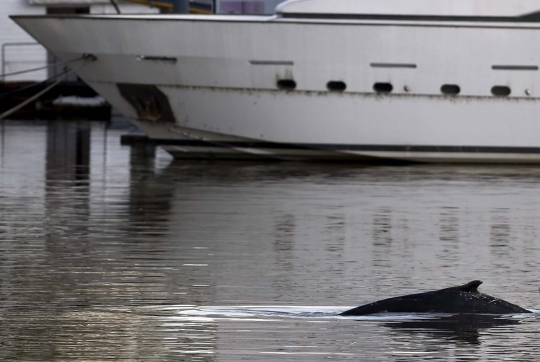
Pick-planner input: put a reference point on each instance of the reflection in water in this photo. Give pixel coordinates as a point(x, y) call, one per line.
point(382, 237)
point(94, 237)
point(449, 235)
point(284, 240)
point(149, 194)
point(457, 328)
point(382, 227)
point(500, 233)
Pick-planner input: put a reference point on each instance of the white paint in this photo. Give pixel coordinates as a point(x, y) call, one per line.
point(217, 94)
point(412, 7)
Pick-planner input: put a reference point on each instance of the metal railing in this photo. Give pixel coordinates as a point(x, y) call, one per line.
point(14, 44)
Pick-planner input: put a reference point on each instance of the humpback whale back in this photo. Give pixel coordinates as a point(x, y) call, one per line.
point(464, 299)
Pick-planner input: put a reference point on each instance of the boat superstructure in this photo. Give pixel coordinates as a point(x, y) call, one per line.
point(416, 80)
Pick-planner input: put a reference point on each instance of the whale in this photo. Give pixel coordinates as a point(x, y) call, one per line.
point(463, 299)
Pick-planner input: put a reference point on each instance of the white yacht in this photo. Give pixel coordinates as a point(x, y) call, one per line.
point(366, 80)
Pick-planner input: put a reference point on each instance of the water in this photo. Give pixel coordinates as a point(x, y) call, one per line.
point(108, 252)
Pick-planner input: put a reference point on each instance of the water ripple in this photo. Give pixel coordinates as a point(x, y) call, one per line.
point(109, 252)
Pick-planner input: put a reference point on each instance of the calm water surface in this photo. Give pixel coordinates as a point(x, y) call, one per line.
point(108, 252)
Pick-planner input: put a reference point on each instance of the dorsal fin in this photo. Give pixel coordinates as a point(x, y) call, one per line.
point(471, 286)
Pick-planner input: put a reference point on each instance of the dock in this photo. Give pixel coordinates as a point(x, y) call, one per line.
point(136, 137)
point(67, 100)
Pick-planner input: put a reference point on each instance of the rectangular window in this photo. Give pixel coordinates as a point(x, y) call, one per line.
point(393, 65)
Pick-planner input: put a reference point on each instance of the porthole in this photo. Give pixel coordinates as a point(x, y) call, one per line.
point(450, 89)
point(500, 90)
point(336, 86)
point(382, 87)
point(286, 84)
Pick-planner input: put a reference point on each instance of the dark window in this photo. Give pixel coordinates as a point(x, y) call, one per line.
point(68, 10)
point(451, 89)
point(500, 90)
point(514, 67)
point(336, 86)
point(393, 65)
point(172, 60)
point(286, 84)
point(271, 62)
point(382, 87)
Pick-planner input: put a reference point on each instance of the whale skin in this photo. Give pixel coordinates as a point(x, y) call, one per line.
point(464, 299)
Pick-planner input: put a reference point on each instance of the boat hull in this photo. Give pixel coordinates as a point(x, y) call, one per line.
point(212, 89)
point(222, 123)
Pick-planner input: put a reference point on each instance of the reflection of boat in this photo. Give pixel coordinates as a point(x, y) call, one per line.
point(421, 80)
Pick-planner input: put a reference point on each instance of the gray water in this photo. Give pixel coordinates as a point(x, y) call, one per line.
point(108, 252)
